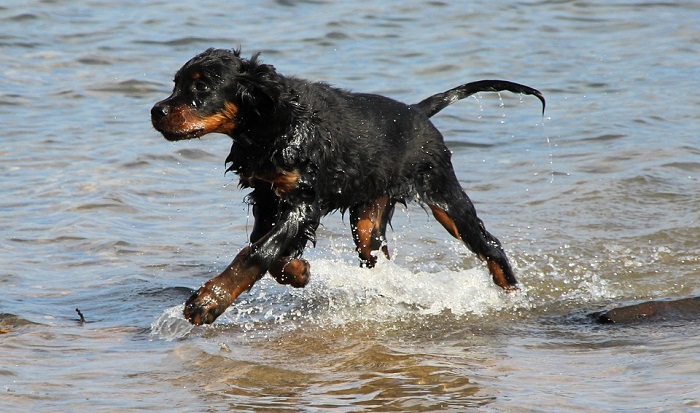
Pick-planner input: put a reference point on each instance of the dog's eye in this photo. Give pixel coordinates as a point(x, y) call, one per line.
point(200, 86)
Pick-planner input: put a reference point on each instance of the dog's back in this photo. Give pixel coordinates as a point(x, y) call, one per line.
point(369, 145)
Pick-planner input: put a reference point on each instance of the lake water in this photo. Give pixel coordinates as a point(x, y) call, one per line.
point(597, 203)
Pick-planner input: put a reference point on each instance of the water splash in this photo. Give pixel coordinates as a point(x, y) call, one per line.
point(341, 293)
point(171, 325)
point(389, 291)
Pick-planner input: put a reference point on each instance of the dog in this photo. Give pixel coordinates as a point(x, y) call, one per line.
point(307, 149)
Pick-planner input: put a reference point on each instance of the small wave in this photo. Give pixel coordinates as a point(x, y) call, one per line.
point(10, 322)
point(129, 87)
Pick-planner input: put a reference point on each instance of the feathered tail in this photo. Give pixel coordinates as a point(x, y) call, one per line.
point(439, 101)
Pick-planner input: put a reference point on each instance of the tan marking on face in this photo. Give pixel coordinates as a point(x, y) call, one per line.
point(222, 122)
point(180, 123)
point(184, 123)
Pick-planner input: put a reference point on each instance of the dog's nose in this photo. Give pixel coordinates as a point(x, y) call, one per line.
point(159, 111)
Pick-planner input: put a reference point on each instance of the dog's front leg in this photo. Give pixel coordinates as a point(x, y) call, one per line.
point(296, 224)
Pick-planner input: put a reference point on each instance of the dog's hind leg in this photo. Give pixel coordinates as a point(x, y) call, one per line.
point(368, 223)
point(456, 213)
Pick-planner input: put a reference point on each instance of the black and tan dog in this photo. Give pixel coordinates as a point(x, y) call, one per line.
point(308, 149)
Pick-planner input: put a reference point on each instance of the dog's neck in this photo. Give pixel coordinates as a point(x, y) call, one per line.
point(270, 146)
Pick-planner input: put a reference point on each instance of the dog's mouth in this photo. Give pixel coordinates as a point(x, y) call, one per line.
point(181, 136)
point(178, 134)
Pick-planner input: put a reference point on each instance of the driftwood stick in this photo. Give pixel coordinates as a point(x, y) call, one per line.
point(82, 318)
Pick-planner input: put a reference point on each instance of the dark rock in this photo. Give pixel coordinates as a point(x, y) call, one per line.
point(686, 309)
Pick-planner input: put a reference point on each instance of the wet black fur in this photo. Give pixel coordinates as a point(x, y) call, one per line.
point(349, 148)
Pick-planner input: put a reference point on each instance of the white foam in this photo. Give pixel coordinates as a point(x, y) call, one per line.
point(389, 290)
point(341, 293)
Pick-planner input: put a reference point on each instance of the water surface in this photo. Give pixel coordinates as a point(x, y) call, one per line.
point(596, 204)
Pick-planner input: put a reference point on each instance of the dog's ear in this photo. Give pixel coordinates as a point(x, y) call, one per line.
point(264, 91)
point(261, 83)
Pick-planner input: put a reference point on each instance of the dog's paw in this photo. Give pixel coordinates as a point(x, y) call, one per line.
point(205, 305)
point(295, 272)
point(299, 273)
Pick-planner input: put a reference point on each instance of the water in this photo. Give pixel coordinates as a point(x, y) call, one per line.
point(596, 204)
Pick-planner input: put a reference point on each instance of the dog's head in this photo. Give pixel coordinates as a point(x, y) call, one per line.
point(216, 91)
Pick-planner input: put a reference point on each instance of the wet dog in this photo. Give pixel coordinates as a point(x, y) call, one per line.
point(307, 149)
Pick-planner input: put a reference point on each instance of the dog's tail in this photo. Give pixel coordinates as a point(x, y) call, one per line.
point(434, 104)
